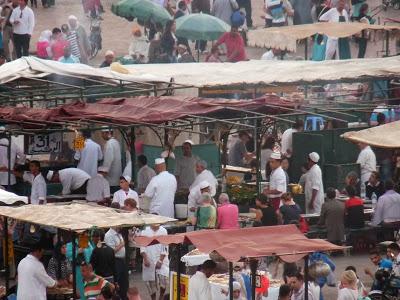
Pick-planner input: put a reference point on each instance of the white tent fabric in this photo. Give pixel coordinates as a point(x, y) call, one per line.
point(11, 198)
point(384, 136)
point(251, 72)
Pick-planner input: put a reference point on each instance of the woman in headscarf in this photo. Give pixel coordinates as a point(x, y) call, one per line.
point(59, 268)
point(43, 47)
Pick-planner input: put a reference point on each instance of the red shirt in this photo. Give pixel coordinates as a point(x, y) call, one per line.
point(228, 215)
point(355, 201)
point(233, 43)
point(57, 48)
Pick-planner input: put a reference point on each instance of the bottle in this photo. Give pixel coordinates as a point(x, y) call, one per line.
point(374, 199)
point(363, 190)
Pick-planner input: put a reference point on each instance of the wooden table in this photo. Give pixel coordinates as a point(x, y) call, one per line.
point(65, 198)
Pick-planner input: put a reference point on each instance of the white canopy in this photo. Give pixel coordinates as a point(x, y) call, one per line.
point(11, 198)
point(216, 74)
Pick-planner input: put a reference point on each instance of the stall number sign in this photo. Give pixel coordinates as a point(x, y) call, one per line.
point(79, 143)
point(184, 287)
point(45, 143)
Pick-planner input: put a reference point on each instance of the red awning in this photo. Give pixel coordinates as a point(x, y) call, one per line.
point(143, 110)
point(285, 241)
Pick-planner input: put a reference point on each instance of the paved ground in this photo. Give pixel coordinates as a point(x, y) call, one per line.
point(117, 31)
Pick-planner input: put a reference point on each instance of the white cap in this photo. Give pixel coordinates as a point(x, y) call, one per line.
point(50, 175)
point(102, 169)
point(236, 286)
point(72, 17)
point(109, 53)
point(189, 142)
point(105, 128)
point(204, 184)
point(127, 178)
point(276, 155)
point(2, 128)
point(159, 161)
point(314, 156)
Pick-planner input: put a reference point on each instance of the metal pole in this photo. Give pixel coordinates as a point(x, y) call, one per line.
point(230, 281)
point(253, 268)
point(133, 152)
point(178, 273)
point(387, 43)
point(306, 278)
point(258, 156)
point(9, 163)
point(306, 49)
point(74, 266)
point(6, 266)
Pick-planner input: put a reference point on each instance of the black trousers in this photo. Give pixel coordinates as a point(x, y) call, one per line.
point(82, 189)
point(21, 44)
point(362, 47)
point(122, 277)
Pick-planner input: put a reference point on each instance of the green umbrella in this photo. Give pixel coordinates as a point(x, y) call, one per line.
point(143, 10)
point(200, 27)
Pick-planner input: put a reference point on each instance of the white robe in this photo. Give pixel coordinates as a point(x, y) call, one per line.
point(161, 190)
point(314, 182)
point(112, 161)
point(88, 157)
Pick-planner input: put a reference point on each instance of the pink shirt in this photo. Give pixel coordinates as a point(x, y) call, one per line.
point(228, 215)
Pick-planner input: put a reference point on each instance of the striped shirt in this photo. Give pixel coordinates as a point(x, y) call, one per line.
point(72, 39)
point(93, 287)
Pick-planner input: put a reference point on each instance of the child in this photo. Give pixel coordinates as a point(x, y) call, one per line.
point(362, 291)
point(289, 212)
point(206, 214)
point(284, 292)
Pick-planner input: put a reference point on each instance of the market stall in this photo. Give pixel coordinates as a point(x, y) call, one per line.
point(234, 245)
point(74, 218)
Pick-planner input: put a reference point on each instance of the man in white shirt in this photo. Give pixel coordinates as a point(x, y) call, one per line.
point(161, 190)
point(387, 210)
point(277, 182)
point(335, 14)
point(185, 171)
point(144, 175)
point(73, 180)
point(32, 276)
point(314, 189)
point(17, 156)
point(203, 174)
point(23, 21)
point(296, 282)
point(113, 239)
point(98, 188)
point(287, 138)
point(125, 192)
point(89, 156)
point(39, 187)
point(155, 272)
point(367, 161)
point(199, 286)
point(112, 159)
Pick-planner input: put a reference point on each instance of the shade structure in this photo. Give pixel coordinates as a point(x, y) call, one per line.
point(200, 27)
point(285, 241)
point(384, 136)
point(79, 217)
point(140, 110)
point(286, 37)
point(143, 10)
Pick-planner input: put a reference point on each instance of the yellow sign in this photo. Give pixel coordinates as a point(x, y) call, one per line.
point(184, 287)
point(79, 143)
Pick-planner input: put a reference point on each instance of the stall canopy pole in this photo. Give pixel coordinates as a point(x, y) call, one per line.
point(133, 153)
point(178, 273)
point(387, 43)
point(9, 163)
point(306, 278)
point(253, 268)
point(74, 294)
point(258, 138)
point(306, 49)
point(230, 281)
point(6, 266)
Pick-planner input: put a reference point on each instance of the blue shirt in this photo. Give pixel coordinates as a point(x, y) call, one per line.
point(385, 264)
point(70, 60)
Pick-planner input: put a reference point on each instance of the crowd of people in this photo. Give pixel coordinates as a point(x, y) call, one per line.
point(154, 43)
